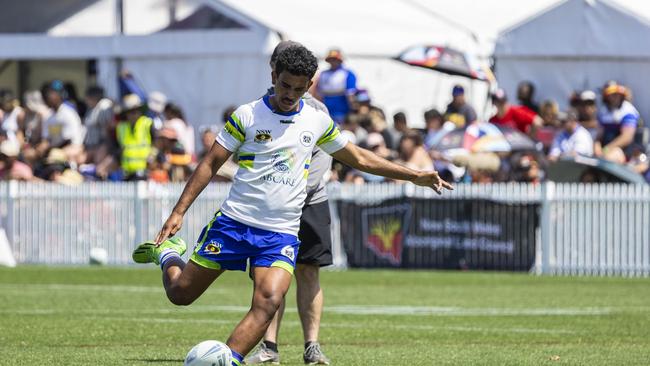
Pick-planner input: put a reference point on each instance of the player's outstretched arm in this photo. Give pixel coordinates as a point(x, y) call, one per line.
point(204, 172)
point(369, 162)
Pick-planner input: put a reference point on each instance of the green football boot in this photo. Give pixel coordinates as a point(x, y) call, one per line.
point(148, 252)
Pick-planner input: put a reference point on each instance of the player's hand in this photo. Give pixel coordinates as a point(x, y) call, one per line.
point(432, 180)
point(170, 228)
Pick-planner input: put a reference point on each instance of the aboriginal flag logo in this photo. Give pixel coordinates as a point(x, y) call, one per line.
point(384, 231)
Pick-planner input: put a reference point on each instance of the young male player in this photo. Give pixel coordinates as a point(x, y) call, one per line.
point(274, 138)
point(315, 252)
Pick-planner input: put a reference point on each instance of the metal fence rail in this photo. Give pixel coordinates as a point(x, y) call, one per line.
point(583, 229)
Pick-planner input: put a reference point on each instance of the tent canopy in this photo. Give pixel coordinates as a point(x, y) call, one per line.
point(574, 46)
point(578, 29)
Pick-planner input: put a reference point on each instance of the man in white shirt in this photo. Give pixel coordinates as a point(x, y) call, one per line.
point(63, 128)
point(572, 140)
point(274, 138)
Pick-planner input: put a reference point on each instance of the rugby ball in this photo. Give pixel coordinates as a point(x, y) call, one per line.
point(209, 353)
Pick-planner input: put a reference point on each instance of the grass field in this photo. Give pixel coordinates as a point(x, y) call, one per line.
point(120, 316)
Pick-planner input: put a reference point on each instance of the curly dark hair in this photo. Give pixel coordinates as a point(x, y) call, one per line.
point(297, 60)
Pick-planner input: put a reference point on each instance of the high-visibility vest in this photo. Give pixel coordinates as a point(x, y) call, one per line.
point(135, 143)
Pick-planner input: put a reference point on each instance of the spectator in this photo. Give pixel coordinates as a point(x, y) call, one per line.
point(572, 140)
point(337, 86)
point(525, 95)
point(63, 128)
point(413, 154)
point(134, 136)
point(458, 111)
point(376, 143)
point(517, 117)
point(588, 112)
point(97, 121)
point(351, 127)
point(434, 131)
point(10, 167)
point(73, 100)
point(208, 137)
point(175, 120)
point(156, 102)
point(12, 117)
point(618, 119)
point(35, 113)
point(549, 111)
point(400, 127)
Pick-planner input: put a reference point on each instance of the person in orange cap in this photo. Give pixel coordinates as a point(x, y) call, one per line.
point(618, 120)
point(337, 86)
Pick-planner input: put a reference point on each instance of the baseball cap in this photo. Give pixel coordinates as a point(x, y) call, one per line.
point(588, 96)
point(334, 54)
point(458, 90)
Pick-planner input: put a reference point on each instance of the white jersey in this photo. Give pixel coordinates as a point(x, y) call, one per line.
point(274, 151)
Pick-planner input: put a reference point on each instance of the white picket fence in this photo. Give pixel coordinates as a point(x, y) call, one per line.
point(584, 229)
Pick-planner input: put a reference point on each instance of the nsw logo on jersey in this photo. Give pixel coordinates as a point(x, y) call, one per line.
point(263, 136)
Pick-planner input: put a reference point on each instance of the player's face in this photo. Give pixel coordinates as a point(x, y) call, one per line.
point(289, 89)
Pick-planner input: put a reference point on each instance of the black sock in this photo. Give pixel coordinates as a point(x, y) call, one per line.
point(272, 346)
point(309, 344)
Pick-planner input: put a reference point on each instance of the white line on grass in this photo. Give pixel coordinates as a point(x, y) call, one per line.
point(347, 310)
point(352, 325)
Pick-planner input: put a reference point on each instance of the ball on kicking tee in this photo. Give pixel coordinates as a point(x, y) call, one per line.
point(209, 353)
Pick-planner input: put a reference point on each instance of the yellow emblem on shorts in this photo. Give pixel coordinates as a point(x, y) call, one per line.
point(214, 248)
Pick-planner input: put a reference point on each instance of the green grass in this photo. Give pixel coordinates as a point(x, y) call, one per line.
point(120, 316)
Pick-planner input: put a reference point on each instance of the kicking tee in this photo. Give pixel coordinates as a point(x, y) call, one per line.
point(274, 151)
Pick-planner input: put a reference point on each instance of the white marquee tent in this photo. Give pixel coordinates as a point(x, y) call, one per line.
point(577, 45)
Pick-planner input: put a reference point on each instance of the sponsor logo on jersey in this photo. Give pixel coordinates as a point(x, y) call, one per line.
point(288, 252)
point(287, 121)
point(307, 138)
point(263, 136)
point(284, 161)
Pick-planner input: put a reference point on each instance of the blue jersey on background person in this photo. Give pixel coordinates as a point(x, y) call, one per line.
point(336, 86)
point(616, 114)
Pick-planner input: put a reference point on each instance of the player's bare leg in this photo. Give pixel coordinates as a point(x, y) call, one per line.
point(310, 300)
point(271, 284)
point(184, 283)
point(310, 308)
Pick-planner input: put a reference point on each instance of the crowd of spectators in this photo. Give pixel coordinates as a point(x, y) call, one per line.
point(55, 136)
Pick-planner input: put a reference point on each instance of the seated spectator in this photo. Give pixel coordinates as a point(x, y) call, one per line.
point(412, 152)
point(549, 111)
point(572, 140)
point(375, 142)
point(458, 111)
point(63, 128)
point(400, 127)
point(12, 117)
point(135, 135)
point(433, 128)
point(525, 95)
point(516, 117)
point(175, 120)
point(156, 102)
point(98, 119)
point(208, 137)
point(10, 167)
point(618, 120)
point(588, 112)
